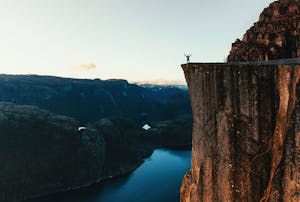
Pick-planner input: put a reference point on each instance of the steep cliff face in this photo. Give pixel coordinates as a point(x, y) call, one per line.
point(246, 135)
point(275, 36)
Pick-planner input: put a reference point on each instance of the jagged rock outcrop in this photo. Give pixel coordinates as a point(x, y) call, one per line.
point(246, 134)
point(275, 36)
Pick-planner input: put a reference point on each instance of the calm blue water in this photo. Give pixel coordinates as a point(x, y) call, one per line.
point(157, 180)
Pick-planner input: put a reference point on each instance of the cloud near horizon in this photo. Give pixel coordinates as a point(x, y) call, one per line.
point(87, 66)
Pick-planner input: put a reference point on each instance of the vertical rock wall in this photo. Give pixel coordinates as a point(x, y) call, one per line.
point(246, 135)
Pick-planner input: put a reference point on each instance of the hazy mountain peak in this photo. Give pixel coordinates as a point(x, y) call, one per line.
point(161, 82)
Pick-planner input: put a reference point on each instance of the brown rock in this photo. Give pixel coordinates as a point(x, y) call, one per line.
point(246, 135)
point(246, 130)
point(279, 24)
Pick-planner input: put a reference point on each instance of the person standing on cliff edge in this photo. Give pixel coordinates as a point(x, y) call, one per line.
point(187, 57)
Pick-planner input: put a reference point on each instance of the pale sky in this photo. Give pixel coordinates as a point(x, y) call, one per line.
point(126, 39)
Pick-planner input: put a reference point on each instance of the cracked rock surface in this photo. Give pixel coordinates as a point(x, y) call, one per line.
point(246, 133)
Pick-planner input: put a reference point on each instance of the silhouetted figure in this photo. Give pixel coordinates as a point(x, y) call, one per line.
point(187, 57)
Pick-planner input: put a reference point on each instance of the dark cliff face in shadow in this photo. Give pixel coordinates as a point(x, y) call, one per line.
point(44, 153)
point(127, 144)
point(245, 133)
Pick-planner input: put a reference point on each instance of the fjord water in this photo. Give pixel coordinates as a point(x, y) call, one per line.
point(157, 179)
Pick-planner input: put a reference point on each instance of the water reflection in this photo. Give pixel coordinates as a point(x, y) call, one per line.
point(158, 179)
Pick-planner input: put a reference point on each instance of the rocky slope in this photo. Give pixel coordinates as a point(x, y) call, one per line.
point(43, 153)
point(275, 36)
point(245, 134)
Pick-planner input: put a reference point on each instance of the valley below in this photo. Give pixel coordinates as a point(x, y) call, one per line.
point(62, 134)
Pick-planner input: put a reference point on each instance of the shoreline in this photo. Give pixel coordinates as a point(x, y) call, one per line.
point(123, 172)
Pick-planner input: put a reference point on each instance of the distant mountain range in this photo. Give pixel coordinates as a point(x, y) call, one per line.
point(162, 82)
point(91, 100)
point(60, 134)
